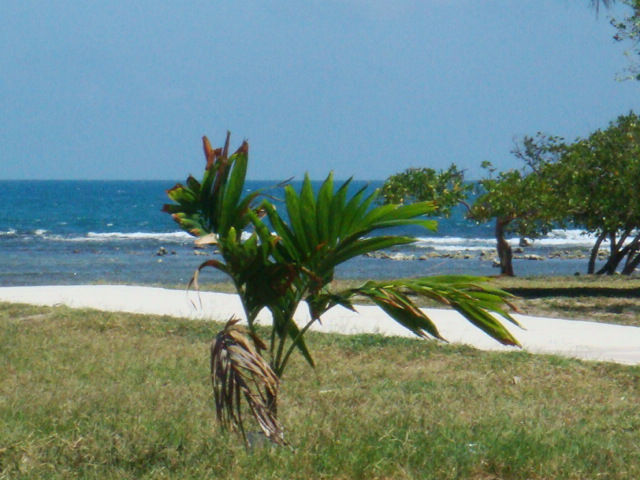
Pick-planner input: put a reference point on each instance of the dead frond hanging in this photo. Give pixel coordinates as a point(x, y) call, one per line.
point(238, 372)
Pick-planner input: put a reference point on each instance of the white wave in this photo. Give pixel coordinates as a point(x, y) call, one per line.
point(169, 237)
point(140, 236)
point(572, 238)
point(449, 244)
point(9, 233)
point(40, 232)
point(555, 239)
point(115, 236)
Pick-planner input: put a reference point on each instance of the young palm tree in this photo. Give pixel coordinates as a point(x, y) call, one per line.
point(295, 263)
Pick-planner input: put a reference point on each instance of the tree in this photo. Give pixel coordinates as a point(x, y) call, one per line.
point(284, 262)
point(600, 177)
point(628, 30)
point(446, 188)
point(592, 184)
point(520, 203)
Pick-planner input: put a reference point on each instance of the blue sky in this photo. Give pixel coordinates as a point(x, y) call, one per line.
point(98, 89)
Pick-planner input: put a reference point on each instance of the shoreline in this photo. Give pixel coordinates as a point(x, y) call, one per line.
point(571, 338)
point(144, 266)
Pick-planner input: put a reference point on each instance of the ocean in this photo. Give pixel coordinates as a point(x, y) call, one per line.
point(79, 232)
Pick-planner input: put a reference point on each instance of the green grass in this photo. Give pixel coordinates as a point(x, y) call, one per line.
point(86, 394)
point(608, 299)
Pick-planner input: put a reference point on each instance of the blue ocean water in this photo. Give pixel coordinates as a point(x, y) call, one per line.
point(76, 232)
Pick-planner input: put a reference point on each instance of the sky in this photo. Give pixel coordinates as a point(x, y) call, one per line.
point(97, 89)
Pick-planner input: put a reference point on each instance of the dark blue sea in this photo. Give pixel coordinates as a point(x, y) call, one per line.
point(78, 232)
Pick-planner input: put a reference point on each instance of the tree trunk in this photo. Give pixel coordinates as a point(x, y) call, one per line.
point(504, 249)
point(631, 265)
point(633, 257)
point(610, 266)
point(594, 254)
point(617, 253)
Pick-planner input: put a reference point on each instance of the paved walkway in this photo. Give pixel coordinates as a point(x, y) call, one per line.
point(579, 339)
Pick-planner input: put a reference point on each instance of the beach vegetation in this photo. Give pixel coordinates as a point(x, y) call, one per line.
point(589, 184)
point(598, 180)
point(445, 188)
point(102, 395)
point(628, 31)
point(519, 202)
point(277, 262)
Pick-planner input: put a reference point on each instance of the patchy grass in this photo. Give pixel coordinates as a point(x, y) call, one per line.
point(86, 394)
point(620, 311)
point(594, 298)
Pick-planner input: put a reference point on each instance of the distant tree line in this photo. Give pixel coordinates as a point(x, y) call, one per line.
point(591, 183)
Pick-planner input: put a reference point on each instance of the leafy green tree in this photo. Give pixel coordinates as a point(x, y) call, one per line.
point(599, 176)
point(627, 30)
point(591, 184)
point(296, 263)
point(520, 202)
point(445, 188)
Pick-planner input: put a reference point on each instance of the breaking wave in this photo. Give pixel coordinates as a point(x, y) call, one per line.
point(171, 237)
point(555, 239)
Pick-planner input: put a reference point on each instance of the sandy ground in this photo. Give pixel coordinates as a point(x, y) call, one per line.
point(579, 339)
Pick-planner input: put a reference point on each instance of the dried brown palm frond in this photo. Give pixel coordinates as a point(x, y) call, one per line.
point(238, 372)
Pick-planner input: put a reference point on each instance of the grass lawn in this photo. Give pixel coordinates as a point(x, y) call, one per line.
point(86, 394)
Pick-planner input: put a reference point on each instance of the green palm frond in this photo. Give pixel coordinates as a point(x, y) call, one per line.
point(327, 229)
point(470, 296)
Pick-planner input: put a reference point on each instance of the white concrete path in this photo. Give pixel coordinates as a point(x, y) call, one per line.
point(579, 339)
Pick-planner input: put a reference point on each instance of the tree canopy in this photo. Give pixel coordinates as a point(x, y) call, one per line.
point(600, 176)
point(590, 184)
point(521, 202)
point(445, 188)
